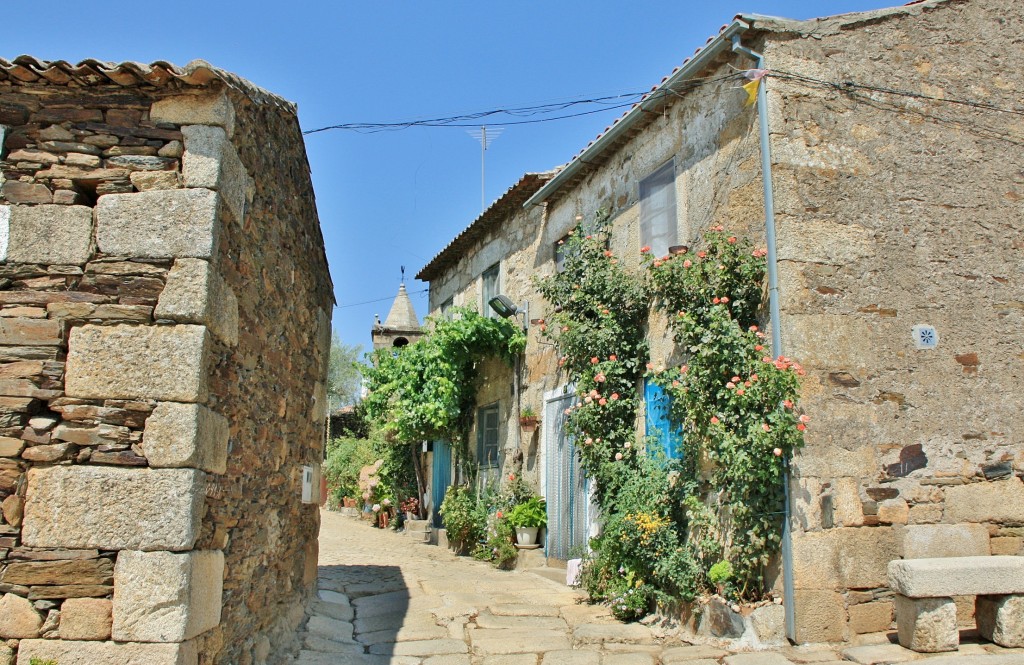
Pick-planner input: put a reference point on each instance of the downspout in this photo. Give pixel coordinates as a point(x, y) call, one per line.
point(773, 309)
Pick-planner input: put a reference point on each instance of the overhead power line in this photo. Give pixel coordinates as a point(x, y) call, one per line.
point(848, 85)
point(370, 302)
point(607, 103)
point(614, 102)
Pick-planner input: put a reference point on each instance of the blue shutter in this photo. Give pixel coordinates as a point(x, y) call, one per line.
point(657, 421)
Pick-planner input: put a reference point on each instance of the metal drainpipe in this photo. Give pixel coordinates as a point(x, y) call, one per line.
point(773, 308)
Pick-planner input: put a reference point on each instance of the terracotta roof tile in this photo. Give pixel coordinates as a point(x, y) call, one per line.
point(26, 69)
point(497, 212)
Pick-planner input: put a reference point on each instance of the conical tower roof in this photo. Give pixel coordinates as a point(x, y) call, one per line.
point(402, 315)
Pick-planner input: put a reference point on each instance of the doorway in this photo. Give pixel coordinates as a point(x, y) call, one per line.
point(565, 487)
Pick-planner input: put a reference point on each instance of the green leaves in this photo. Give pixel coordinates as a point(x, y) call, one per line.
point(426, 390)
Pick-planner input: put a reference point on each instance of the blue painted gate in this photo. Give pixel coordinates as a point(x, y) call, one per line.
point(441, 479)
point(566, 488)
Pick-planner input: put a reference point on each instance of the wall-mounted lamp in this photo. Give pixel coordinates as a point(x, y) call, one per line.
point(505, 308)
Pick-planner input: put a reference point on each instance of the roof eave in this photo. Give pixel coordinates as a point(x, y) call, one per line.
point(692, 66)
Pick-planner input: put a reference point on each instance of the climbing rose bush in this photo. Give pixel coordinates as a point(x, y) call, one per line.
point(666, 523)
point(736, 404)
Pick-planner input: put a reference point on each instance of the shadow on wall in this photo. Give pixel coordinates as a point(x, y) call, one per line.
point(379, 599)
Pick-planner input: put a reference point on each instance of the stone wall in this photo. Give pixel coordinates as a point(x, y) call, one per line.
point(892, 212)
point(164, 333)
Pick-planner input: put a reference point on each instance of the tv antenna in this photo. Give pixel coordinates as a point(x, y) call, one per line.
point(485, 138)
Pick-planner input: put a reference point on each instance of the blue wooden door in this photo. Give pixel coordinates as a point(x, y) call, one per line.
point(441, 478)
point(657, 422)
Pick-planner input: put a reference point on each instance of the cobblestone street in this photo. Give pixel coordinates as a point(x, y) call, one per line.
point(387, 600)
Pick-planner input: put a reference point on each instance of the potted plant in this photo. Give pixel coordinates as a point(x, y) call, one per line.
point(528, 517)
point(528, 419)
point(411, 508)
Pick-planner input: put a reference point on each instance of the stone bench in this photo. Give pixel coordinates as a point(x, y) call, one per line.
point(926, 613)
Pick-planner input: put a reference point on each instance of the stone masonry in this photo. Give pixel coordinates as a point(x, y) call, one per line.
point(893, 211)
point(164, 331)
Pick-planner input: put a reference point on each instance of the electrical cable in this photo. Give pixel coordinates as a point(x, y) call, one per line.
point(851, 85)
point(462, 120)
point(370, 302)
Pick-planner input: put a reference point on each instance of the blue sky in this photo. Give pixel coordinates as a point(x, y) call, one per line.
point(396, 198)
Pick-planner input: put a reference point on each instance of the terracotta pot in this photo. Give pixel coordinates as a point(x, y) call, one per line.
point(529, 424)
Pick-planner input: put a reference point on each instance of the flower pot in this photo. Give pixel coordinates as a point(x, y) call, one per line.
point(528, 424)
point(526, 535)
point(410, 516)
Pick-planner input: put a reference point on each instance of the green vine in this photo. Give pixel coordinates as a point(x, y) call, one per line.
point(427, 390)
point(667, 522)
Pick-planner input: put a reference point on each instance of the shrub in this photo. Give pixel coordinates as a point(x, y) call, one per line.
point(465, 519)
point(345, 457)
point(531, 513)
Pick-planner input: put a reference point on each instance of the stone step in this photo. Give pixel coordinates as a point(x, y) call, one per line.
point(553, 574)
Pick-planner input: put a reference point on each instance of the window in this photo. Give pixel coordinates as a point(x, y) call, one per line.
point(489, 288)
point(560, 254)
point(446, 308)
point(487, 435)
point(657, 422)
point(658, 209)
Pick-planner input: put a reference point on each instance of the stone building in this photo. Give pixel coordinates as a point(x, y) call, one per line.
point(895, 140)
point(164, 336)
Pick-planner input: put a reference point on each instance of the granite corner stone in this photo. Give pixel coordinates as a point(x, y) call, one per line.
point(148, 509)
point(186, 435)
point(166, 596)
point(196, 293)
point(164, 223)
point(138, 362)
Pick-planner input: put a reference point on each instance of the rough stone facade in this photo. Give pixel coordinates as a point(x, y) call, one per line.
point(894, 211)
point(164, 331)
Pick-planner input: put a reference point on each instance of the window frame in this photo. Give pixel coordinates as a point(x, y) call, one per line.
point(494, 270)
point(445, 308)
point(659, 225)
point(482, 446)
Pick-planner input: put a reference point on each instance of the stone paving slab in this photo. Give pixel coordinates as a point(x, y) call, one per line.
point(879, 654)
point(506, 641)
point(510, 659)
point(487, 620)
point(757, 659)
point(385, 601)
point(628, 659)
point(571, 657)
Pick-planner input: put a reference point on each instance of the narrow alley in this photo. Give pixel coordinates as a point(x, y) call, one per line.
point(387, 600)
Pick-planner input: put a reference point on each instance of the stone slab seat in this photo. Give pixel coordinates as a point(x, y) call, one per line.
point(926, 613)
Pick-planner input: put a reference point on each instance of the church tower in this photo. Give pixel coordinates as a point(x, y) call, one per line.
point(401, 327)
